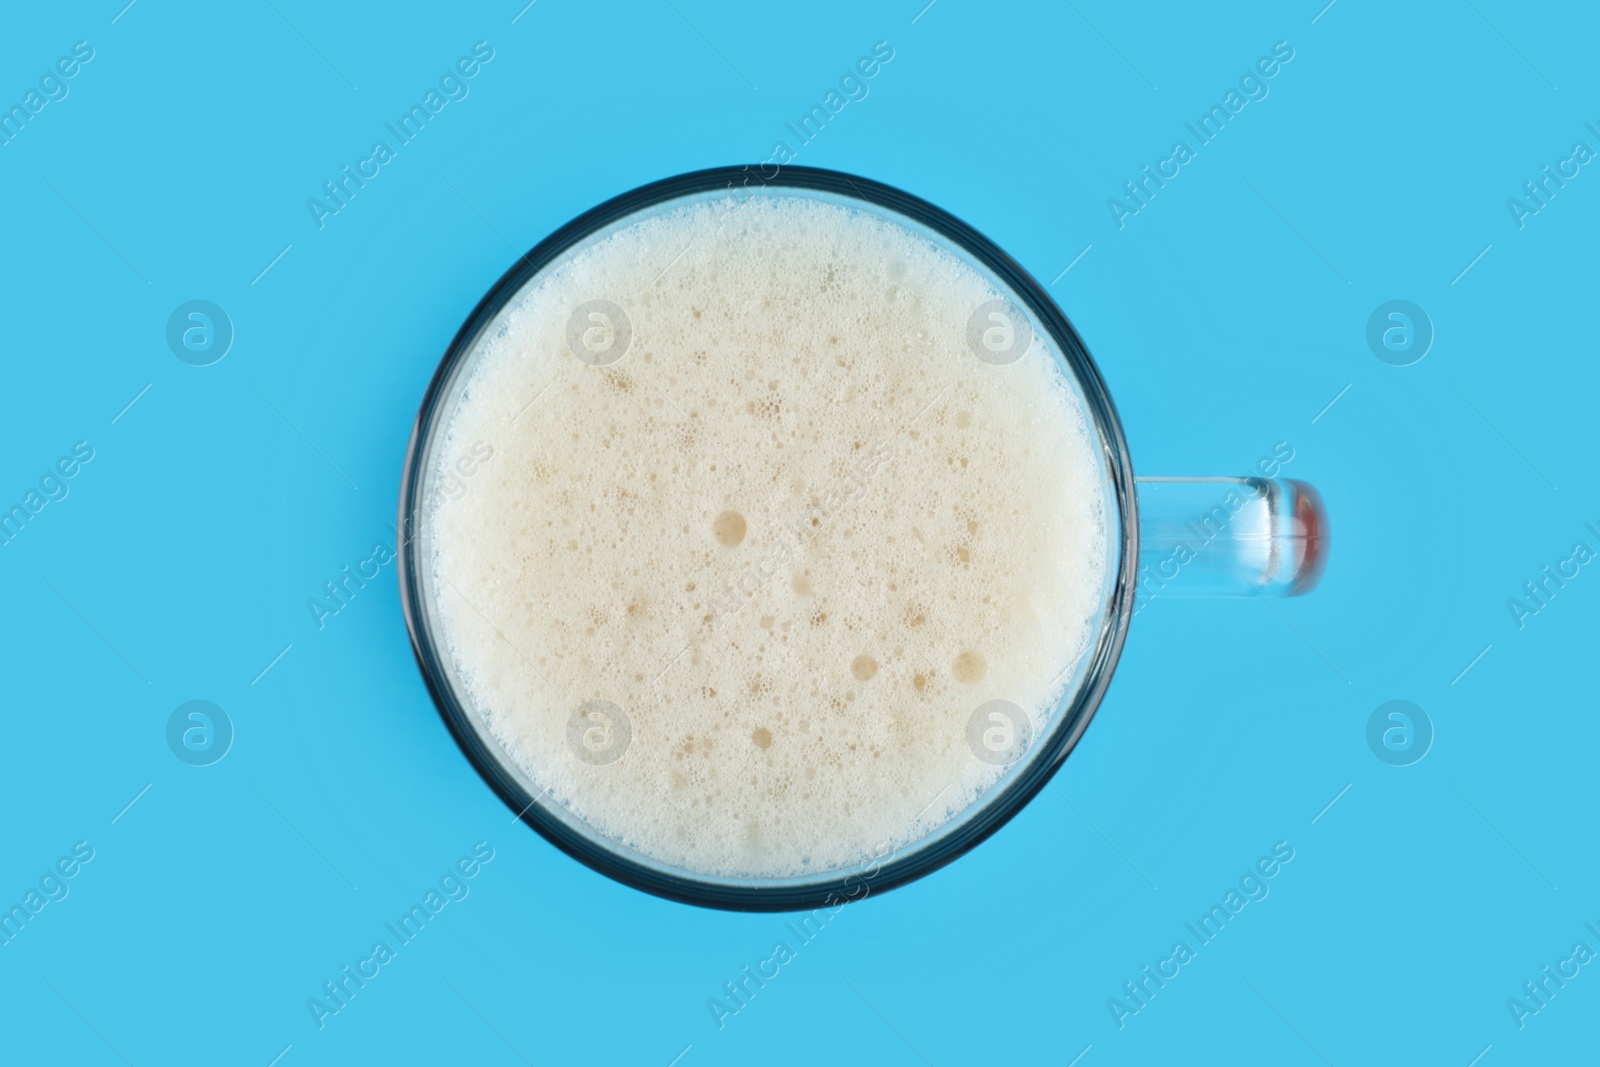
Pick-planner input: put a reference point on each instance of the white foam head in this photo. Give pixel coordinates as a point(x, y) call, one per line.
point(768, 501)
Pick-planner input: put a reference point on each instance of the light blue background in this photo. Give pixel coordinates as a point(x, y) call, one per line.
point(1415, 905)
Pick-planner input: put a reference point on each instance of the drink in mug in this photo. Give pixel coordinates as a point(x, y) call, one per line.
point(794, 534)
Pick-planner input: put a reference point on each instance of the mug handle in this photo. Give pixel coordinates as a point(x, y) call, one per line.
point(1208, 537)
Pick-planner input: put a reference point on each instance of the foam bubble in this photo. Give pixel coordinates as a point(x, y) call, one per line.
point(790, 537)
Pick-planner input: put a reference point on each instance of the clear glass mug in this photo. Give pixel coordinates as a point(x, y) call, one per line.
point(1167, 536)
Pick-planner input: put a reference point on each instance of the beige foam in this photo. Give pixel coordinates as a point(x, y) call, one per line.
point(798, 533)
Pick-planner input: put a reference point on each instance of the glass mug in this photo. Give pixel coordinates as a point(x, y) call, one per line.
point(1203, 536)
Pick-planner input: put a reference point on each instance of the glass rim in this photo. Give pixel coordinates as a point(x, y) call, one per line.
point(991, 810)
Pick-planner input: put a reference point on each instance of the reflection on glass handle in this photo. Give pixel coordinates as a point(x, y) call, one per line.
point(1225, 536)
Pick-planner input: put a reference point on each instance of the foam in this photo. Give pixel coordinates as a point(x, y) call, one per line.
point(798, 533)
